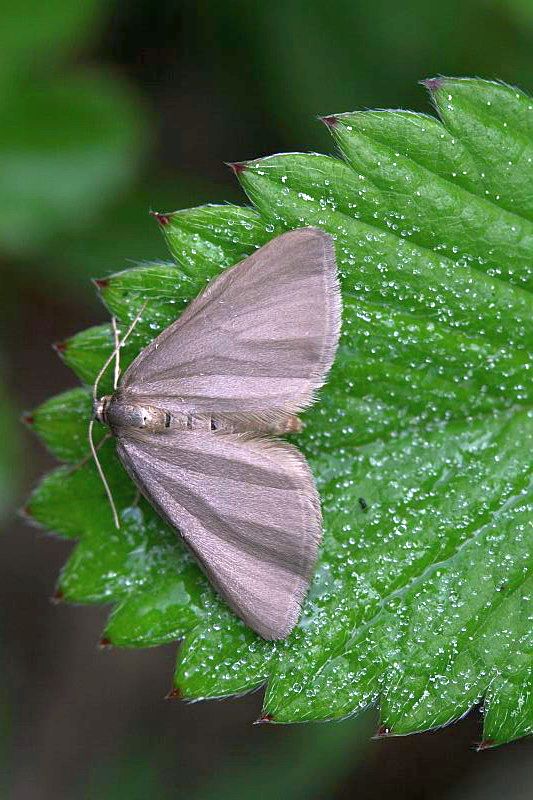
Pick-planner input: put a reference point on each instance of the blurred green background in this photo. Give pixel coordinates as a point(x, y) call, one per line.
point(108, 109)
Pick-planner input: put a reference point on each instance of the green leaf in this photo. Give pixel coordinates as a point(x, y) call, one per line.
point(432, 206)
point(208, 236)
point(494, 123)
point(57, 422)
point(420, 442)
point(86, 352)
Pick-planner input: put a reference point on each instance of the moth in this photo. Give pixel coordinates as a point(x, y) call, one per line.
point(198, 413)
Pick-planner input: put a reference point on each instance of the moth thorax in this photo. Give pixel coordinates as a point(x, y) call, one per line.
point(99, 409)
point(120, 413)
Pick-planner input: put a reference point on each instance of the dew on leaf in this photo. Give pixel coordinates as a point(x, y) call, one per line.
point(427, 415)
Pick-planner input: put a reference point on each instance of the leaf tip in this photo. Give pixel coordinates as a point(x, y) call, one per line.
point(331, 121)
point(174, 694)
point(162, 219)
point(485, 744)
point(105, 643)
point(60, 347)
point(57, 597)
point(26, 513)
point(264, 719)
point(101, 283)
point(382, 732)
point(432, 84)
point(27, 419)
point(236, 166)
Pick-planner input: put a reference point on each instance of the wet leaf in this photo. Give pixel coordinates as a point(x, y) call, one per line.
point(421, 442)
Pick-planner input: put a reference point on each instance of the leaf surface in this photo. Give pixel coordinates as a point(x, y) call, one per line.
point(421, 441)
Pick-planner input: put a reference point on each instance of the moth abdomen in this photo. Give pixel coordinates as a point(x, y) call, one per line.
point(276, 423)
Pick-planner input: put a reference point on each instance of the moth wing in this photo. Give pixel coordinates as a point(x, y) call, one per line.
point(260, 338)
point(247, 508)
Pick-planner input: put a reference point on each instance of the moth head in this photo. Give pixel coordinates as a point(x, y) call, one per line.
point(99, 409)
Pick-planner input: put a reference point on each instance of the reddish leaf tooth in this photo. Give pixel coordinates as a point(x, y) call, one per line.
point(57, 597)
point(264, 719)
point(236, 166)
point(433, 84)
point(174, 694)
point(101, 283)
point(163, 219)
point(331, 121)
point(485, 744)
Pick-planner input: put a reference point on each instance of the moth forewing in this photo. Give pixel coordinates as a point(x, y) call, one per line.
point(261, 338)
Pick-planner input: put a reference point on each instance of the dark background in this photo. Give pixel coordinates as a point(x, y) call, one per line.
point(108, 109)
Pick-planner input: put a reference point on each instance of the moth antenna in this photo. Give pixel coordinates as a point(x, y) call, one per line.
point(80, 464)
point(103, 478)
point(117, 352)
point(113, 355)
